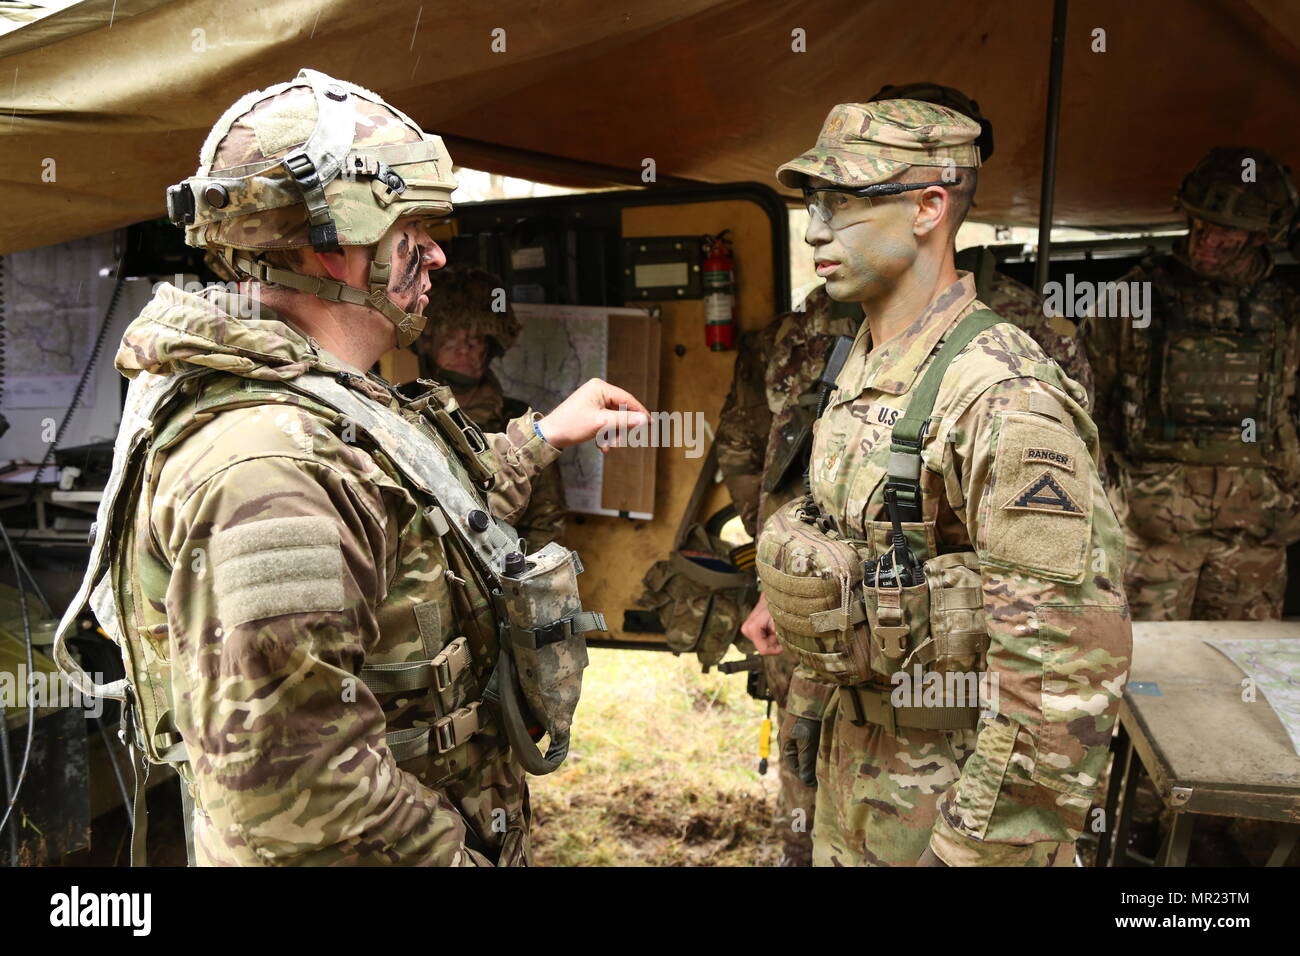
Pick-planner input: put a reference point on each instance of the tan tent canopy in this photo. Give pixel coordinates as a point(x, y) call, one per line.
point(97, 119)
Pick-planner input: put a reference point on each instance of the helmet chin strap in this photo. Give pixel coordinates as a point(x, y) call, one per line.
point(409, 324)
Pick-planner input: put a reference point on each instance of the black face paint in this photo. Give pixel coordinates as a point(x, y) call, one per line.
point(410, 275)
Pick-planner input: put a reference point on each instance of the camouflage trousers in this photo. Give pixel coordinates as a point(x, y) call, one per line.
point(1204, 577)
point(1203, 542)
point(878, 793)
point(795, 800)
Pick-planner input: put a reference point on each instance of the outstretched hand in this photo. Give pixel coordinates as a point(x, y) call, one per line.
point(593, 408)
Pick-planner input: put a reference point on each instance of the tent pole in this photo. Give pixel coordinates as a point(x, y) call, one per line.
point(1053, 128)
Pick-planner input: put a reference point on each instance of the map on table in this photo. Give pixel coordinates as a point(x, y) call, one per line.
point(1274, 666)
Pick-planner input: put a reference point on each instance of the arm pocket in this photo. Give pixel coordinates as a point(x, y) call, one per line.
point(1085, 653)
point(1037, 510)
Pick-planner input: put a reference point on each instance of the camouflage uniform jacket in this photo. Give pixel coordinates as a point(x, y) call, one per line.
point(1193, 482)
point(774, 386)
point(1052, 564)
point(543, 520)
point(273, 555)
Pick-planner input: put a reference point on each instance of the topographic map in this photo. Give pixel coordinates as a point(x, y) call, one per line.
point(1274, 665)
point(50, 316)
point(559, 348)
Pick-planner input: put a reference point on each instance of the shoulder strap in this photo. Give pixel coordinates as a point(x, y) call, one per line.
point(904, 479)
point(402, 443)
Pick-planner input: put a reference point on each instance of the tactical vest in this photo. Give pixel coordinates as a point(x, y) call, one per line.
point(1211, 362)
point(857, 611)
point(526, 606)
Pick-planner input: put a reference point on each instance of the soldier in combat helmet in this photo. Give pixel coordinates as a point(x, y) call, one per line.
point(471, 323)
point(312, 581)
point(1197, 404)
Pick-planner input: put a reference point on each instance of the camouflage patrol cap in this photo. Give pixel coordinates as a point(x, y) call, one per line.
point(948, 96)
point(462, 297)
point(1242, 188)
point(865, 143)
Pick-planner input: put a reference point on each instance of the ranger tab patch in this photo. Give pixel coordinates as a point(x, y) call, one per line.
point(1044, 493)
point(1049, 456)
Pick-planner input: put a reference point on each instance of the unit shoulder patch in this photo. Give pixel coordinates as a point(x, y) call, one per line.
point(1044, 493)
point(1036, 509)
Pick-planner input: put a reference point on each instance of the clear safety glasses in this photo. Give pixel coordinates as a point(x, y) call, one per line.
point(843, 206)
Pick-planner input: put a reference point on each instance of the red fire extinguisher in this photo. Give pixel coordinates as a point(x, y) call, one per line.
point(719, 281)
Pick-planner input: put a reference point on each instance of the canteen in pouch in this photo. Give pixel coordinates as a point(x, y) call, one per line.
point(545, 660)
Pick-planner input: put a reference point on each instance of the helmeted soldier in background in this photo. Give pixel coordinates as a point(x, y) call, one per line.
point(470, 323)
point(301, 569)
point(765, 430)
point(1197, 409)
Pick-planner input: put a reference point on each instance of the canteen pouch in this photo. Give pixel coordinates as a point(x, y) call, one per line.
point(544, 660)
point(812, 580)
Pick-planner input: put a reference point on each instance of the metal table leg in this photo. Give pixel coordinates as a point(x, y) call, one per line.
point(1173, 849)
point(1132, 771)
point(1120, 746)
point(1285, 844)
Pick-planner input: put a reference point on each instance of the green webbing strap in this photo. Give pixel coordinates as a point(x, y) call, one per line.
point(187, 818)
point(904, 478)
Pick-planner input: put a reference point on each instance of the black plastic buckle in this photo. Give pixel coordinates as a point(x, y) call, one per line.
point(181, 205)
point(551, 633)
point(303, 170)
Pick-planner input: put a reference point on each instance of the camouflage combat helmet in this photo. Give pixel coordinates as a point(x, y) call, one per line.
point(1217, 192)
point(463, 297)
point(947, 96)
point(313, 162)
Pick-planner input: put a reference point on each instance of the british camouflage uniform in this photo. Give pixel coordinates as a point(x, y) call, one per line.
point(1009, 482)
point(281, 560)
point(297, 563)
point(1198, 413)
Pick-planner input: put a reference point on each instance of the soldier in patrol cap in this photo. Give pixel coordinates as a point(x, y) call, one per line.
point(764, 432)
point(471, 322)
point(1197, 402)
point(956, 529)
point(297, 562)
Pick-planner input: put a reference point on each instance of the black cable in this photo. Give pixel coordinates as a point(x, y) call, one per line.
point(31, 700)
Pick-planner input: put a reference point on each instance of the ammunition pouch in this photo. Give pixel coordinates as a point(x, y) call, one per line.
point(702, 593)
point(812, 580)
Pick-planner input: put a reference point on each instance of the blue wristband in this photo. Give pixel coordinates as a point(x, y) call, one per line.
point(537, 428)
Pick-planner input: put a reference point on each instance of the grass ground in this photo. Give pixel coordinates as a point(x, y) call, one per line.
point(662, 771)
